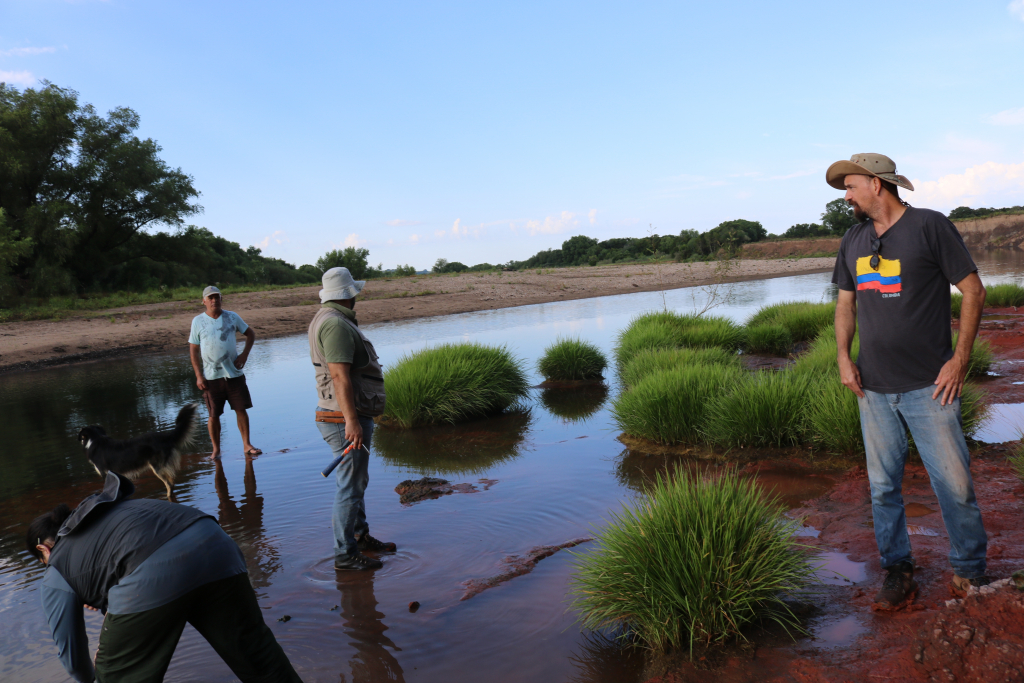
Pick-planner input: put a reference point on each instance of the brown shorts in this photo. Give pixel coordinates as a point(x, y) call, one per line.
point(230, 389)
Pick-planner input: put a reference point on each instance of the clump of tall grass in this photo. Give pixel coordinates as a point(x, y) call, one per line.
point(694, 561)
point(996, 296)
point(804, 320)
point(669, 407)
point(572, 359)
point(1004, 295)
point(832, 416)
point(973, 408)
point(774, 340)
point(666, 330)
point(981, 356)
point(451, 383)
point(659, 360)
point(1016, 459)
point(821, 356)
point(762, 409)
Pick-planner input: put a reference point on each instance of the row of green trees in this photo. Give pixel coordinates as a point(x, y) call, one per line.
point(963, 212)
point(83, 201)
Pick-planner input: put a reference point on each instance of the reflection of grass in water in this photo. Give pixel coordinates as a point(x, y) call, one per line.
point(603, 657)
point(468, 448)
point(574, 404)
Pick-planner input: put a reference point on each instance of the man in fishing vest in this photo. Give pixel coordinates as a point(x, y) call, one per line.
point(350, 389)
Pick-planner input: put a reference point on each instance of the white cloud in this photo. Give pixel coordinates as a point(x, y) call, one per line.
point(552, 225)
point(592, 215)
point(277, 237)
point(402, 223)
point(26, 51)
point(414, 238)
point(978, 185)
point(1010, 117)
point(1016, 8)
point(439, 233)
point(23, 78)
point(455, 228)
point(353, 240)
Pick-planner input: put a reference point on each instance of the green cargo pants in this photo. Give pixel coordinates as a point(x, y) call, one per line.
point(137, 648)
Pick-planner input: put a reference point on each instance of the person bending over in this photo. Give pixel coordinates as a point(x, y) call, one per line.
point(151, 567)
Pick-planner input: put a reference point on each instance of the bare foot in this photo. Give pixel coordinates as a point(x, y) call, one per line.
point(215, 455)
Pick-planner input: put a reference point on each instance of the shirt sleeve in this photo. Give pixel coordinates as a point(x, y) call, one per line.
point(240, 325)
point(841, 275)
point(64, 614)
point(193, 335)
point(950, 251)
point(337, 341)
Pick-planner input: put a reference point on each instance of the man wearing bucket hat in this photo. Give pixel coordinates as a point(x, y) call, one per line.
point(894, 270)
point(350, 390)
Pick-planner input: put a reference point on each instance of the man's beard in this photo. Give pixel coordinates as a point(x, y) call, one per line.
point(859, 214)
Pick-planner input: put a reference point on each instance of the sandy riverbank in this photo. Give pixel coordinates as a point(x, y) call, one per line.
point(159, 327)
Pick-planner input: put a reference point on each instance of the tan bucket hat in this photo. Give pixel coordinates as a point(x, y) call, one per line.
point(877, 165)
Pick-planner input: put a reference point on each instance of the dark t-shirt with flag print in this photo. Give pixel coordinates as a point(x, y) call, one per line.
point(903, 306)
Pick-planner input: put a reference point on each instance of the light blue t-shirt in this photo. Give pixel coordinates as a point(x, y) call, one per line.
point(216, 340)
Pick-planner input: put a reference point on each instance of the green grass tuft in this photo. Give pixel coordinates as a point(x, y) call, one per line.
point(665, 330)
point(804, 320)
point(452, 383)
point(1004, 295)
point(973, 408)
point(1016, 459)
point(669, 407)
point(770, 339)
point(762, 409)
point(658, 360)
point(693, 562)
point(572, 359)
point(981, 357)
point(832, 416)
point(821, 356)
point(955, 302)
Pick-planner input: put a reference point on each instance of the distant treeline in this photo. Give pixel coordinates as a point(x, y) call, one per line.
point(965, 212)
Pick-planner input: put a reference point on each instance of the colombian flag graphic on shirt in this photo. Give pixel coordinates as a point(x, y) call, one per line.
point(885, 279)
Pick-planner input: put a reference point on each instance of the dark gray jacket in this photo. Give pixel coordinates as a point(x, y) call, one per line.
point(107, 537)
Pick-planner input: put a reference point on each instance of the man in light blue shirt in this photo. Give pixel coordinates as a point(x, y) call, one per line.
point(218, 366)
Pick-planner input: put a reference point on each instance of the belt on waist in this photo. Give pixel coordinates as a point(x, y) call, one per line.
point(333, 416)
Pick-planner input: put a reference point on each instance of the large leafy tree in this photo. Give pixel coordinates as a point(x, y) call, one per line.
point(838, 217)
point(83, 188)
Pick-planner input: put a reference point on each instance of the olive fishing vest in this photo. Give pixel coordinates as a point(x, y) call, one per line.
point(367, 381)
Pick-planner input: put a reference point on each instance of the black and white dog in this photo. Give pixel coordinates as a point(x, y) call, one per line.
point(159, 451)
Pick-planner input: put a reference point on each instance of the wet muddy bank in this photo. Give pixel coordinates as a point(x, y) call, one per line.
point(870, 646)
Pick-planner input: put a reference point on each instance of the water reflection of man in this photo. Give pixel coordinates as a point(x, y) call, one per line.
point(245, 524)
point(350, 389)
point(151, 566)
point(364, 625)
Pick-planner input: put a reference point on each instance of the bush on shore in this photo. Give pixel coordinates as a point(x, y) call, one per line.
point(694, 561)
point(659, 360)
point(572, 359)
point(769, 339)
point(669, 407)
point(804, 320)
point(452, 383)
point(981, 356)
point(996, 296)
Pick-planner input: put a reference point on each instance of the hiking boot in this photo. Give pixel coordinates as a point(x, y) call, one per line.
point(898, 588)
point(356, 562)
point(960, 586)
point(368, 542)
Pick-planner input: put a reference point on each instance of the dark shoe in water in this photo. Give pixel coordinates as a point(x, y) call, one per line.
point(368, 542)
point(356, 562)
point(960, 586)
point(898, 589)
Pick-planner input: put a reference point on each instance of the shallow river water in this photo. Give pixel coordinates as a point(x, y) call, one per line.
point(541, 479)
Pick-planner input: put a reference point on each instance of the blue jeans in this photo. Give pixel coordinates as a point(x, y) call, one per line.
point(349, 517)
point(939, 437)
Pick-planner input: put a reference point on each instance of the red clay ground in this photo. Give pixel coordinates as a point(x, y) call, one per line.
point(979, 639)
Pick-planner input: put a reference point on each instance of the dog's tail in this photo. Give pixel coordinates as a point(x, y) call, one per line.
point(184, 426)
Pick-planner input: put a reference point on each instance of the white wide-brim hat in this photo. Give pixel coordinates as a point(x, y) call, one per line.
point(339, 285)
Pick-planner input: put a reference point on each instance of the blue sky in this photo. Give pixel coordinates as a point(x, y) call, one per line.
point(482, 131)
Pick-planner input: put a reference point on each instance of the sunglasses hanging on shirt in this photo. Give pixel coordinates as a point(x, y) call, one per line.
point(876, 246)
